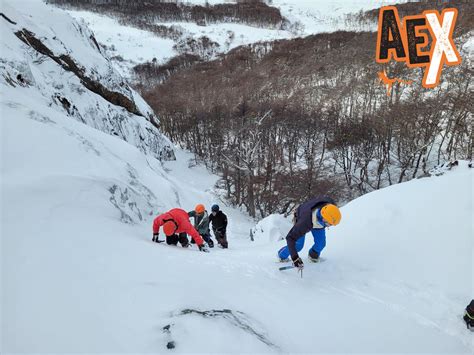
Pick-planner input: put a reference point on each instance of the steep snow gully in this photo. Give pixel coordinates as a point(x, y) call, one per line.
point(82, 182)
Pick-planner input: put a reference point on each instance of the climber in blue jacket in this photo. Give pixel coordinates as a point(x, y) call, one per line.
point(314, 215)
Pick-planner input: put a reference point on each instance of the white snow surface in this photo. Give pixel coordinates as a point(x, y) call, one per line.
point(79, 272)
point(272, 228)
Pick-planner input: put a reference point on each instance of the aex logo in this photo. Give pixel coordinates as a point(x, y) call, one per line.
point(406, 43)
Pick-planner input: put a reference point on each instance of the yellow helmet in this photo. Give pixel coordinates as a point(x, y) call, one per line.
point(331, 214)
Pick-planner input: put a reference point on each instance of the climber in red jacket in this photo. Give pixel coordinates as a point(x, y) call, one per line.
point(176, 226)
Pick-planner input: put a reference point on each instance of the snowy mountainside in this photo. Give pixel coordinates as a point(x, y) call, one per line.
point(80, 273)
point(45, 51)
point(77, 207)
point(131, 46)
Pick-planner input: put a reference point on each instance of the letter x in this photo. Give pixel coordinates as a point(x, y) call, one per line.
point(443, 51)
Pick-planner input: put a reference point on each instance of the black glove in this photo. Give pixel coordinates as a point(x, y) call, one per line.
point(297, 262)
point(203, 248)
point(155, 237)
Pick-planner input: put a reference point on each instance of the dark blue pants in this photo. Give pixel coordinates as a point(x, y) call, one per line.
point(208, 240)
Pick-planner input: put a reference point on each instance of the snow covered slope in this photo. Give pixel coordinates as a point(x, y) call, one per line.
point(126, 46)
point(46, 52)
point(130, 46)
point(80, 274)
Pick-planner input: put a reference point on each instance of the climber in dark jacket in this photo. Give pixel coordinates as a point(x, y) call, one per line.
point(314, 215)
point(219, 226)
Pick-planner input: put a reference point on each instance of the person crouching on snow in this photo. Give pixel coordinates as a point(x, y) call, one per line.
point(469, 316)
point(201, 224)
point(314, 215)
point(176, 225)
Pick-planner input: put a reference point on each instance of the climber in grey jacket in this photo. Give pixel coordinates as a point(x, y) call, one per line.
point(201, 223)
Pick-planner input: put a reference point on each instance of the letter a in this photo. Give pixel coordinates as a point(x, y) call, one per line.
point(389, 27)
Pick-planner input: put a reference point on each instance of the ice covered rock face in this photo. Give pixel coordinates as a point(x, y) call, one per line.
point(45, 50)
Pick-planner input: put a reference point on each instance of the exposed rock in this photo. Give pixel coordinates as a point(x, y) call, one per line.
point(67, 63)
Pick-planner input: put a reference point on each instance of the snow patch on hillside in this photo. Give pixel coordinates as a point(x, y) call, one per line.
point(316, 16)
point(272, 228)
point(468, 45)
point(128, 46)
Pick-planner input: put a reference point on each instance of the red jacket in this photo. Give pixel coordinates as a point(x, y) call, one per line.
point(182, 220)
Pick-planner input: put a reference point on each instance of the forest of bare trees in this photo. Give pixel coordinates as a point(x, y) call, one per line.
point(252, 12)
point(463, 23)
point(286, 120)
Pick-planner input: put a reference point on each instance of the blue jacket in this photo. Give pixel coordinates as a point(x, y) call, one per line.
point(304, 222)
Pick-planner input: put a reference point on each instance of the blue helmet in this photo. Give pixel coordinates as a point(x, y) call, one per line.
point(215, 208)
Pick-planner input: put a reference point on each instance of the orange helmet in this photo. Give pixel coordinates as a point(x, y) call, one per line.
point(331, 214)
point(170, 227)
point(199, 208)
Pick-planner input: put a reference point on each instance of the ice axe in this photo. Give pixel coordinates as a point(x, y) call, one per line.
point(300, 270)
